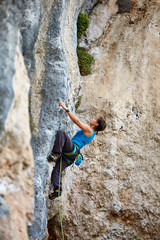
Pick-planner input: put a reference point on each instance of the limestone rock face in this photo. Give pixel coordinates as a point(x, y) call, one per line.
point(16, 178)
point(16, 159)
point(88, 6)
point(54, 77)
point(99, 17)
point(114, 194)
point(10, 15)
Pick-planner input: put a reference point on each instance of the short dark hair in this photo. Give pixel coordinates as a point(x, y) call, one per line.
point(101, 124)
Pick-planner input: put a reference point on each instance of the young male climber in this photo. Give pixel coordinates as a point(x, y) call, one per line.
point(66, 151)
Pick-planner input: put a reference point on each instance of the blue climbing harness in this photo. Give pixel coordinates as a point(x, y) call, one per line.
point(78, 159)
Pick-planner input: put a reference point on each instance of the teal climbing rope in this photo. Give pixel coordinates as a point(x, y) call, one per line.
point(60, 215)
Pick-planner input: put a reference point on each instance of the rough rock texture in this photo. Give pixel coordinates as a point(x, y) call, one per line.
point(54, 77)
point(99, 17)
point(30, 25)
point(88, 6)
point(8, 26)
point(114, 194)
point(16, 178)
point(16, 160)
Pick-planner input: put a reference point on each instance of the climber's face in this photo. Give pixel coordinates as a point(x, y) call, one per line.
point(94, 122)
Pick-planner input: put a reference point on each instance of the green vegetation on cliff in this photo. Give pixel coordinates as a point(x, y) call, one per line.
point(82, 24)
point(84, 58)
point(84, 61)
point(78, 103)
point(31, 121)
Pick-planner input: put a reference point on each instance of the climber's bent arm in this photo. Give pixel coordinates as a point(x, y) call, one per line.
point(86, 128)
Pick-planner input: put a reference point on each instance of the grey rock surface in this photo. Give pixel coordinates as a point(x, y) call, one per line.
point(56, 85)
point(16, 178)
point(114, 194)
point(10, 16)
point(29, 29)
point(4, 220)
point(88, 6)
point(4, 209)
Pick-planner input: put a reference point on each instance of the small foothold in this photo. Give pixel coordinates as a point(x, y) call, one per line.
point(131, 22)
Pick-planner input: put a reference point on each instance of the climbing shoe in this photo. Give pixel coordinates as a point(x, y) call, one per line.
point(52, 157)
point(55, 194)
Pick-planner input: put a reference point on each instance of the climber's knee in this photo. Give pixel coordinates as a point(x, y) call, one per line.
point(61, 132)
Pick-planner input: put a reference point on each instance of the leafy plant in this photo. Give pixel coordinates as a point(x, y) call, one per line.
point(82, 24)
point(84, 61)
point(31, 121)
point(84, 58)
point(78, 103)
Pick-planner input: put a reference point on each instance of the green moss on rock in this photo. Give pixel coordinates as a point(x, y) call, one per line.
point(82, 24)
point(84, 58)
point(84, 61)
point(78, 103)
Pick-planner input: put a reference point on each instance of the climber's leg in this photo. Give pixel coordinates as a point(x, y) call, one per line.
point(56, 173)
point(62, 143)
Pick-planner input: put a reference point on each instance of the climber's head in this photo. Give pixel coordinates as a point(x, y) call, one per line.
point(98, 124)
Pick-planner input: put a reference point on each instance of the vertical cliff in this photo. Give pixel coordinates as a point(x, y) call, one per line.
point(51, 61)
point(114, 194)
point(16, 160)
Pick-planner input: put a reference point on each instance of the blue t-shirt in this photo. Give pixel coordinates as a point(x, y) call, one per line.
point(81, 140)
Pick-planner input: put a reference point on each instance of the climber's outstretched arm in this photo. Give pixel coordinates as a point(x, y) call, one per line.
point(86, 128)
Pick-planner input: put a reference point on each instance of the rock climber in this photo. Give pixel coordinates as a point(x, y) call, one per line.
point(66, 151)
